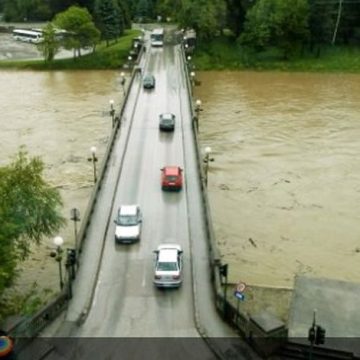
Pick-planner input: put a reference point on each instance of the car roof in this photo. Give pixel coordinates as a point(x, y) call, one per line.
point(167, 115)
point(128, 209)
point(148, 77)
point(168, 255)
point(171, 170)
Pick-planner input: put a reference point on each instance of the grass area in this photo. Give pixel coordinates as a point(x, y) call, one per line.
point(222, 53)
point(14, 302)
point(105, 57)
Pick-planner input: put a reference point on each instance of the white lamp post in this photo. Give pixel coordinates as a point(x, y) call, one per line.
point(57, 254)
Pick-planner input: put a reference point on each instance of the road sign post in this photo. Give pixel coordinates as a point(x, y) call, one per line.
point(239, 289)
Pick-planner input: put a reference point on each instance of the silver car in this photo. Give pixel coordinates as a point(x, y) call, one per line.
point(128, 224)
point(168, 265)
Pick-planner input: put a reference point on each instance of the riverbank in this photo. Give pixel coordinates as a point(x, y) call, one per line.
point(223, 54)
point(113, 56)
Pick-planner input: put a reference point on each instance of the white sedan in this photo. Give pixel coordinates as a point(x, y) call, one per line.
point(168, 265)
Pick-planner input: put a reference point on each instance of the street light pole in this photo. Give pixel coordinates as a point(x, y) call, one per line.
point(123, 80)
point(198, 109)
point(57, 254)
point(112, 112)
point(192, 78)
point(94, 159)
point(75, 217)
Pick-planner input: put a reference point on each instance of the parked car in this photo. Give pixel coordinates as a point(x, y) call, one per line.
point(171, 178)
point(168, 265)
point(128, 224)
point(149, 82)
point(167, 122)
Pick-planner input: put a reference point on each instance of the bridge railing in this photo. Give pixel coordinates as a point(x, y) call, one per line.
point(28, 328)
point(224, 299)
point(223, 305)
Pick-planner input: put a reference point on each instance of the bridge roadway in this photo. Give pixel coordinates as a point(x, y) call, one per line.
point(124, 302)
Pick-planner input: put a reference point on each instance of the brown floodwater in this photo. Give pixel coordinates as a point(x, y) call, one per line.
point(284, 186)
point(285, 183)
point(58, 116)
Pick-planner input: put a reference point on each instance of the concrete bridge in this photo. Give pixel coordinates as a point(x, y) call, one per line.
point(115, 308)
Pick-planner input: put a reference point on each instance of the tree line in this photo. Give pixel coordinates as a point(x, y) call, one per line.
point(256, 25)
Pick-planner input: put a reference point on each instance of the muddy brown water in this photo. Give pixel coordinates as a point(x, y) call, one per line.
point(58, 116)
point(285, 181)
point(284, 186)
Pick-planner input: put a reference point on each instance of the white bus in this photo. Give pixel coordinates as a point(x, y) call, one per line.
point(157, 37)
point(30, 36)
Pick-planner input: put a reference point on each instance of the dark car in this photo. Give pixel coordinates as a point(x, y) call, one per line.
point(149, 82)
point(167, 122)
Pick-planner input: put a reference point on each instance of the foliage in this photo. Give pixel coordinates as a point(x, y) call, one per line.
point(51, 45)
point(26, 10)
point(144, 9)
point(277, 23)
point(109, 19)
point(222, 53)
point(20, 303)
point(81, 30)
point(125, 11)
point(235, 16)
point(207, 17)
point(29, 210)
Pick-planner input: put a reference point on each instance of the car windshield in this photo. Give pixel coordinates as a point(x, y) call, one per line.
point(127, 220)
point(148, 79)
point(167, 266)
point(171, 178)
point(166, 121)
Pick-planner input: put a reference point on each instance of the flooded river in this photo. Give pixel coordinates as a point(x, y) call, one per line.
point(285, 182)
point(58, 116)
point(284, 186)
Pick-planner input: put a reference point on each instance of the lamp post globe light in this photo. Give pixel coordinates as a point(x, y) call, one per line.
point(129, 59)
point(57, 254)
point(112, 112)
point(93, 159)
point(192, 78)
point(122, 81)
point(198, 104)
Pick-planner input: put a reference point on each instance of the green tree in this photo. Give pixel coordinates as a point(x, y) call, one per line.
point(29, 210)
point(207, 17)
point(51, 45)
point(81, 29)
point(144, 9)
point(27, 10)
point(109, 19)
point(277, 23)
point(235, 16)
point(125, 11)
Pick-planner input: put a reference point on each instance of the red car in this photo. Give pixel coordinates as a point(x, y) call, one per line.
point(171, 178)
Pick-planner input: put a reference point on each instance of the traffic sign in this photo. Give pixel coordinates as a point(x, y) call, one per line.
point(240, 287)
point(239, 295)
